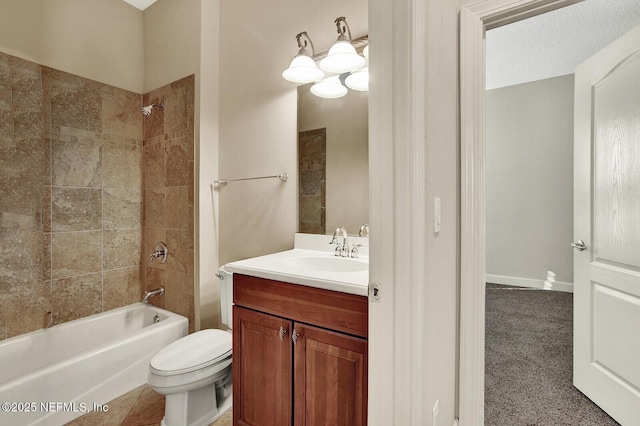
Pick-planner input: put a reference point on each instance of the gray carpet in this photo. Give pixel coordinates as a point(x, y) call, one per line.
point(528, 361)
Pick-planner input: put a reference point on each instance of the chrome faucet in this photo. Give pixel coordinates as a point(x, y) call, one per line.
point(152, 293)
point(364, 231)
point(160, 253)
point(344, 249)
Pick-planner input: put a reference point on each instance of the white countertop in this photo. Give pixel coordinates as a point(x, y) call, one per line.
point(277, 266)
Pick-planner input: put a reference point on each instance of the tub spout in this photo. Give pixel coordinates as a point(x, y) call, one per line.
point(152, 293)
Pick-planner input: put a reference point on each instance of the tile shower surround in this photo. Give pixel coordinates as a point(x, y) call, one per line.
point(312, 191)
point(168, 164)
point(72, 196)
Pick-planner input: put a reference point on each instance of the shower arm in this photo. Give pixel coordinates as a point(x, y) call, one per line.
point(148, 109)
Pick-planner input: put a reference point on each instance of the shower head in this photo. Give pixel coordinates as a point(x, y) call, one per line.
point(147, 110)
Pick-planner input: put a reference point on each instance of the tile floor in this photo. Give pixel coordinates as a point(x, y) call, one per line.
point(140, 407)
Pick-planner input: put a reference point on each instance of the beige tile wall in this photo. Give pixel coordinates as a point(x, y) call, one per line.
point(77, 182)
point(312, 190)
point(70, 196)
point(23, 246)
point(169, 194)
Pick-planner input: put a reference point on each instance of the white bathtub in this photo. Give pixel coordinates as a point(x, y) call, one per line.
point(49, 377)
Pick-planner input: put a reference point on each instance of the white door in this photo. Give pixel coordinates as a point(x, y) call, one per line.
point(606, 363)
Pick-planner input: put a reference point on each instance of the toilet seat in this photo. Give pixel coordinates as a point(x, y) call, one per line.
point(196, 351)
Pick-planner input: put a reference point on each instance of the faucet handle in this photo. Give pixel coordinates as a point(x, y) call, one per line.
point(161, 253)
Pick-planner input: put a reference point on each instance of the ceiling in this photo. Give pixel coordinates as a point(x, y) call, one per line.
point(554, 43)
point(141, 4)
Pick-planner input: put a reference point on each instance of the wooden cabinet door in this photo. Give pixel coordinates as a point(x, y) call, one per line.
point(262, 369)
point(330, 378)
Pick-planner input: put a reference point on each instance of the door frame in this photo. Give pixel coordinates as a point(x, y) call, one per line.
point(475, 20)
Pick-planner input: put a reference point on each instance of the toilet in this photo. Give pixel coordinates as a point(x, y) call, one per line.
point(194, 372)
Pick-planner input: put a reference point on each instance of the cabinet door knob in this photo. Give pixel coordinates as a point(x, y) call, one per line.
point(294, 336)
point(282, 333)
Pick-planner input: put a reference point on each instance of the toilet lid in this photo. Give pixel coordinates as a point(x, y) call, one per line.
point(192, 352)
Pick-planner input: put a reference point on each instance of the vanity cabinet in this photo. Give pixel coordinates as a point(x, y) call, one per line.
point(299, 355)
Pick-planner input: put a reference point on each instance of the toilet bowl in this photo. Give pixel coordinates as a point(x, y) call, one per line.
point(194, 372)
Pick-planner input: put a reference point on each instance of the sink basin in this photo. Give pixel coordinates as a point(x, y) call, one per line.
point(327, 263)
point(311, 263)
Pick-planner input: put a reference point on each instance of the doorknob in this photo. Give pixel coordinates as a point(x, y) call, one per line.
point(579, 245)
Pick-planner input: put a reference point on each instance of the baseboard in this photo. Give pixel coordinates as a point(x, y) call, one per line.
point(528, 283)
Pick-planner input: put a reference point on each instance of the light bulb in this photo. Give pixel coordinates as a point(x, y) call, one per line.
point(329, 88)
point(358, 80)
point(342, 57)
point(303, 70)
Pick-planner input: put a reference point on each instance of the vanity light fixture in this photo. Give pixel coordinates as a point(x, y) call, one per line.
point(330, 87)
point(358, 80)
point(303, 68)
point(355, 75)
point(342, 56)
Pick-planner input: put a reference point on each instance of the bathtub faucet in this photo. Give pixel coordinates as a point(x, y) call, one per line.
point(153, 293)
point(160, 253)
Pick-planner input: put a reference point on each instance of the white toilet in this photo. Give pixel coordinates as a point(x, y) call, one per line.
point(194, 372)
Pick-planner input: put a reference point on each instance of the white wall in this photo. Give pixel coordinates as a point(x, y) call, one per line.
point(171, 42)
point(99, 40)
point(258, 134)
point(414, 152)
point(207, 166)
point(529, 182)
point(442, 171)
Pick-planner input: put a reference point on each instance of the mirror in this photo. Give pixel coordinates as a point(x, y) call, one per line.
point(333, 162)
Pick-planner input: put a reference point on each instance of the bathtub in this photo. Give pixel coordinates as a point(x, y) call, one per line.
point(49, 377)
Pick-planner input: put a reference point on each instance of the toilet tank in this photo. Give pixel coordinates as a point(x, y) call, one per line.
point(225, 279)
